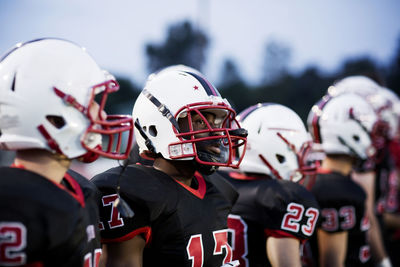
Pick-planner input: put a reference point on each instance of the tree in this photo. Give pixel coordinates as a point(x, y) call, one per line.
point(393, 72)
point(233, 87)
point(122, 101)
point(184, 45)
point(230, 74)
point(361, 66)
point(276, 60)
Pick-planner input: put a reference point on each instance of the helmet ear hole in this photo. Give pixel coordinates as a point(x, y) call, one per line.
point(280, 158)
point(56, 121)
point(356, 138)
point(153, 130)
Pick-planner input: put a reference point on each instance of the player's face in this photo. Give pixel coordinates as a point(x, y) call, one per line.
point(198, 124)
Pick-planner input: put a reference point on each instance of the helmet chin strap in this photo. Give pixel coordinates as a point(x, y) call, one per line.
point(162, 108)
point(123, 207)
point(205, 169)
point(90, 156)
point(50, 141)
point(272, 169)
point(343, 142)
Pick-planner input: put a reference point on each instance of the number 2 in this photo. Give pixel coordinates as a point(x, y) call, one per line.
point(12, 244)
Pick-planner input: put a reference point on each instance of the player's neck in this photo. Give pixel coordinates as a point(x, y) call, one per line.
point(182, 171)
point(44, 163)
point(342, 166)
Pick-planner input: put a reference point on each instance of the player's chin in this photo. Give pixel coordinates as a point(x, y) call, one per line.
point(215, 150)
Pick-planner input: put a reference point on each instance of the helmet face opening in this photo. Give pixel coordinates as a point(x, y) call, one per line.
point(208, 132)
point(104, 136)
point(305, 166)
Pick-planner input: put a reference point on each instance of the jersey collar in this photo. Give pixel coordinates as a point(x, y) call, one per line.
point(201, 190)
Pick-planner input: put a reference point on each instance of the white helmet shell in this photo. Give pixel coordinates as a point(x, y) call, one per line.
point(373, 93)
point(342, 125)
point(51, 78)
point(276, 135)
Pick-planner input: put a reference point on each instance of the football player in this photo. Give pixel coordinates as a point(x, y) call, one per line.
point(172, 213)
point(375, 174)
point(388, 170)
point(341, 126)
point(49, 116)
point(274, 214)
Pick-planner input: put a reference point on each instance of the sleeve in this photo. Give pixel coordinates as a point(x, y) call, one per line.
point(288, 211)
point(140, 192)
point(342, 206)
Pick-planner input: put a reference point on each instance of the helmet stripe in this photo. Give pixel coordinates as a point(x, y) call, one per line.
point(210, 89)
point(249, 110)
point(316, 129)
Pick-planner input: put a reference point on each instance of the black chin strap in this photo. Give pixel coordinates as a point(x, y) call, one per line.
point(341, 140)
point(162, 108)
point(147, 140)
point(122, 206)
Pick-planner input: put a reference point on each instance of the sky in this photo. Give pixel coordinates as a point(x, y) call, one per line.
point(319, 32)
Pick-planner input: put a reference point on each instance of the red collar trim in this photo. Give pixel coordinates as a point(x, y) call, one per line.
point(144, 231)
point(77, 194)
point(19, 166)
point(201, 191)
point(279, 234)
point(77, 190)
point(242, 176)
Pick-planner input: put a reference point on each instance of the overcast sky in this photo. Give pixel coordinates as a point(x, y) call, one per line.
point(319, 32)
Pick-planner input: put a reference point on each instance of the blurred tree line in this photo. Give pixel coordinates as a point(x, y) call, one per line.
point(186, 44)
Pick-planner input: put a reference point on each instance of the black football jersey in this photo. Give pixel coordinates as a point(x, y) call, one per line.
point(268, 208)
point(183, 226)
point(386, 192)
point(41, 223)
point(342, 204)
point(92, 197)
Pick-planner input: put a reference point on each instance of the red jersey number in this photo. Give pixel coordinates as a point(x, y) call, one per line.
point(93, 260)
point(195, 248)
point(12, 243)
point(345, 218)
point(295, 212)
point(239, 242)
point(115, 217)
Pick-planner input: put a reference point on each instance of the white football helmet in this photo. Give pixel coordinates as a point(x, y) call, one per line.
point(277, 143)
point(342, 125)
point(47, 93)
point(393, 101)
point(387, 122)
point(360, 85)
point(173, 95)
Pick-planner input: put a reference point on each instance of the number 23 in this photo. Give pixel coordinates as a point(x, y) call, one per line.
point(293, 216)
